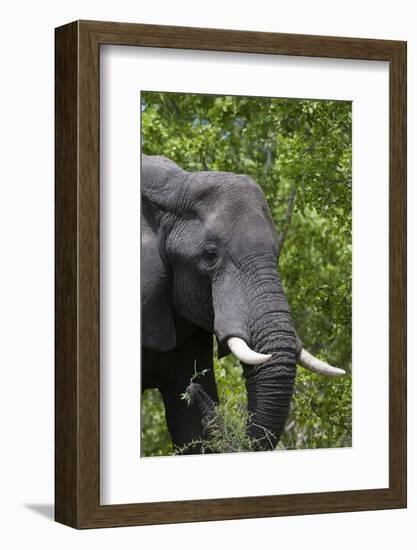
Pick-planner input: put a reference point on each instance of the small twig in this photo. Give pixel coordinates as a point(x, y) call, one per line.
point(304, 439)
point(266, 436)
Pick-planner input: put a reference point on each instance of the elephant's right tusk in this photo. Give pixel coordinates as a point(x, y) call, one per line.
point(242, 351)
point(309, 362)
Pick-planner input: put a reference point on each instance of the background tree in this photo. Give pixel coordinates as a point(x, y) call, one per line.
point(299, 152)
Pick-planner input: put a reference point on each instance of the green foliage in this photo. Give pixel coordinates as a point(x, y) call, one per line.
point(321, 415)
point(225, 431)
point(299, 152)
point(155, 436)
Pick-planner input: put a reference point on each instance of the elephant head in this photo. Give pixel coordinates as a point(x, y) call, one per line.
point(209, 252)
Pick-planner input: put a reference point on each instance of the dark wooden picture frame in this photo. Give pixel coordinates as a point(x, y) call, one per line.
point(77, 373)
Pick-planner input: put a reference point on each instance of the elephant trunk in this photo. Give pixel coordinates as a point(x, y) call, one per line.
point(270, 385)
point(250, 306)
point(199, 397)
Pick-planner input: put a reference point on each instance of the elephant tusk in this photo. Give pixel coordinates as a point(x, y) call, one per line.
point(242, 351)
point(309, 362)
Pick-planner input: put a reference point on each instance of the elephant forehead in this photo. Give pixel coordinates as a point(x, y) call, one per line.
point(223, 187)
point(234, 206)
point(225, 202)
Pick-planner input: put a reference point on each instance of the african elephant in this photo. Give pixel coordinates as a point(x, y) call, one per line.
point(209, 267)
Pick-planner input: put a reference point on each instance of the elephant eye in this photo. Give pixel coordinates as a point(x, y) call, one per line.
point(210, 254)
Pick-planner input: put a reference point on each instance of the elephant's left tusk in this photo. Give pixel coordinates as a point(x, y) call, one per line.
point(309, 362)
point(242, 351)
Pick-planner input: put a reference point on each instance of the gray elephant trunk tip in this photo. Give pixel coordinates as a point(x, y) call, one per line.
point(197, 396)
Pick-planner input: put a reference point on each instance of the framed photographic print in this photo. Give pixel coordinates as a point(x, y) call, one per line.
point(230, 274)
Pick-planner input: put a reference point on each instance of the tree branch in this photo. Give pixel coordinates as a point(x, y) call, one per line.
point(288, 217)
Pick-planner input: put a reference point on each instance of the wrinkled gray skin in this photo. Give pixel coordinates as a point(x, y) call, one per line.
point(209, 266)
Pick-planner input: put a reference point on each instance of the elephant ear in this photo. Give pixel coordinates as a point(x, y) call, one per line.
point(162, 183)
point(158, 326)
